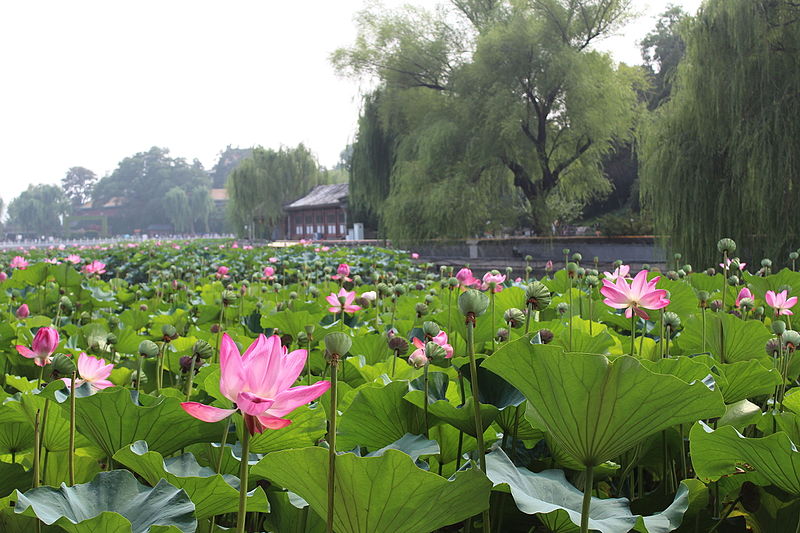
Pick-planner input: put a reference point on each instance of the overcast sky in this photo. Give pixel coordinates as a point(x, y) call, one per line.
point(89, 82)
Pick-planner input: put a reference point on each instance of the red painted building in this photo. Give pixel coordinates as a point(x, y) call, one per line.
point(321, 214)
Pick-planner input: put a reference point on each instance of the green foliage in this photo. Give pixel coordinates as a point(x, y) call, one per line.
point(715, 155)
point(38, 209)
point(78, 185)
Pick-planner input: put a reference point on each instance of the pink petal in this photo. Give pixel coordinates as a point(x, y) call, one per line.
point(252, 404)
point(332, 299)
point(206, 413)
point(292, 365)
point(640, 312)
point(616, 305)
point(24, 351)
point(232, 377)
point(102, 384)
point(639, 283)
point(790, 302)
point(289, 400)
point(334, 310)
point(271, 422)
point(770, 298)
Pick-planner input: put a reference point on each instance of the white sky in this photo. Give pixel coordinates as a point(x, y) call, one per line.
point(89, 82)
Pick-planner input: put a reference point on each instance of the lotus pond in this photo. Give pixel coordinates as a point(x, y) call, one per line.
point(207, 386)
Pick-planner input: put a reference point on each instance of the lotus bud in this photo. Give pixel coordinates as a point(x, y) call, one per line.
point(546, 336)
point(186, 363)
point(276, 286)
point(501, 335)
point(677, 257)
point(577, 257)
point(431, 329)
point(421, 309)
point(313, 291)
point(538, 296)
point(773, 346)
point(672, 275)
point(143, 307)
point(259, 305)
point(357, 279)
point(23, 311)
point(215, 328)
point(428, 299)
point(778, 327)
point(337, 345)
point(726, 246)
point(793, 256)
point(711, 271)
point(572, 269)
point(562, 308)
point(617, 263)
point(746, 304)
point(528, 269)
point(63, 365)
point(417, 359)
point(168, 332)
point(565, 251)
point(302, 338)
point(592, 281)
point(148, 348)
point(758, 312)
point(791, 339)
point(528, 259)
point(309, 329)
point(687, 268)
point(733, 280)
point(596, 261)
point(398, 344)
point(645, 266)
point(514, 317)
point(715, 305)
point(473, 302)
point(202, 349)
point(681, 273)
point(672, 320)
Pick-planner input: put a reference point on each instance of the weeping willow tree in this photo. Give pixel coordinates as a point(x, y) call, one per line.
point(260, 186)
point(720, 159)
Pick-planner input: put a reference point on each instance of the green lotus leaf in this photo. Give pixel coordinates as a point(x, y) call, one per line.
point(65, 275)
point(549, 495)
point(112, 418)
point(388, 493)
point(771, 460)
point(595, 408)
point(746, 379)
point(291, 514)
point(373, 347)
point(740, 414)
point(307, 428)
point(742, 340)
point(291, 322)
point(113, 501)
point(211, 493)
point(13, 477)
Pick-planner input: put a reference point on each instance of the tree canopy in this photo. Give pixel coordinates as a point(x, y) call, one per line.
point(718, 157)
point(487, 101)
point(38, 209)
point(78, 185)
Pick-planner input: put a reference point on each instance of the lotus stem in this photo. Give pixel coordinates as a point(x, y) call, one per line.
point(591, 320)
point(244, 469)
point(491, 298)
point(190, 380)
point(139, 374)
point(332, 443)
point(587, 498)
point(36, 453)
point(703, 316)
point(425, 400)
point(570, 311)
point(473, 367)
point(72, 430)
point(159, 368)
point(308, 359)
point(528, 318)
point(41, 377)
point(460, 449)
point(633, 334)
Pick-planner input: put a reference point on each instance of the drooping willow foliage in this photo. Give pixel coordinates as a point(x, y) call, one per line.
point(721, 158)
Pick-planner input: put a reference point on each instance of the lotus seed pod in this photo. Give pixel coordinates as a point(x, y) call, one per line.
point(528, 269)
point(431, 329)
point(672, 275)
point(66, 305)
point(778, 327)
point(428, 299)
point(421, 309)
point(562, 308)
point(546, 336)
point(715, 305)
point(733, 281)
point(592, 281)
point(417, 359)
point(681, 273)
point(473, 302)
point(399, 290)
point(758, 312)
point(672, 320)
point(645, 266)
point(337, 343)
point(228, 297)
point(677, 257)
point(143, 307)
point(538, 296)
point(726, 246)
point(434, 352)
point(452, 283)
point(63, 365)
point(580, 272)
point(113, 321)
point(309, 329)
point(793, 256)
point(202, 349)
point(592, 272)
point(302, 338)
point(264, 289)
point(168, 332)
point(711, 271)
point(313, 291)
point(185, 363)
point(687, 268)
point(773, 346)
point(565, 251)
point(148, 348)
point(746, 304)
point(766, 263)
point(572, 268)
point(111, 339)
point(514, 317)
point(398, 344)
point(501, 335)
point(791, 339)
point(528, 258)
point(703, 296)
point(577, 257)
point(617, 263)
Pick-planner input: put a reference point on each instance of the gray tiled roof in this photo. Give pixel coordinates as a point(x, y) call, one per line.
point(322, 196)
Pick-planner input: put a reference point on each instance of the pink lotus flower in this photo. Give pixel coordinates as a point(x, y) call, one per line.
point(466, 279)
point(548, 266)
point(92, 371)
point(414, 255)
point(52, 261)
point(440, 339)
point(23, 311)
point(44, 344)
point(493, 282)
point(95, 267)
point(269, 273)
point(370, 296)
point(73, 258)
point(222, 272)
point(260, 383)
point(780, 302)
point(19, 262)
point(640, 294)
point(418, 359)
point(235, 245)
point(325, 248)
point(342, 272)
point(744, 293)
point(619, 272)
point(3, 276)
point(273, 259)
point(727, 264)
point(342, 302)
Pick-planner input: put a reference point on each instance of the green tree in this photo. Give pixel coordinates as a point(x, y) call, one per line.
point(662, 50)
point(38, 209)
point(718, 156)
point(509, 104)
point(228, 160)
point(260, 186)
point(78, 184)
point(140, 183)
point(176, 205)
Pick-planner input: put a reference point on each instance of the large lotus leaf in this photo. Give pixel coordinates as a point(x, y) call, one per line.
point(113, 418)
point(382, 370)
point(386, 493)
point(740, 414)
point(743, 340)
point(595, 408)
point(65, 275)
point(773, 282)
point(12, 477)
point(211, 493)
point(598, 341)
point(112, 501)
point(291, 514)
point(771, 460)
point(373, 347)
point(291, 322)
point(746, 379)
point(549, 493)
point(56, 424)
point(377, 417)
point(683, 368)
point(307, 428)
point(56, 468)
